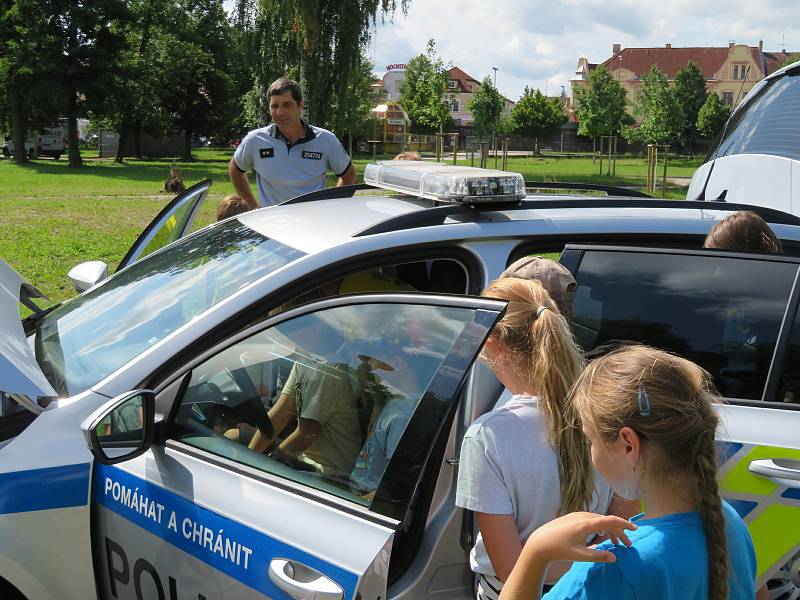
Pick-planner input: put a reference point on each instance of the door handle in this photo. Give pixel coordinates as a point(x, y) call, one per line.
point(783, 471)
point(302, 582)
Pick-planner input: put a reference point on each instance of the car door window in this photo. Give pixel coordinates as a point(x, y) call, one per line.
point(324, 398)
point(170, 224)
point(722, 312)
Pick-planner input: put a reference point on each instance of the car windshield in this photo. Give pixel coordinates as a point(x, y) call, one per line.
point(86, 339)
point(767, 123)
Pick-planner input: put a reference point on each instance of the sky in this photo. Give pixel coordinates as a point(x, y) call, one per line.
point(538, 42)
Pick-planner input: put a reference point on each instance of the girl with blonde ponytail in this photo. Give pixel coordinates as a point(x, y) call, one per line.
point(526, 461)
point(649, 418)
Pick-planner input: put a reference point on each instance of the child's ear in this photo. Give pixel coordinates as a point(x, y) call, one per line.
point(631, 444)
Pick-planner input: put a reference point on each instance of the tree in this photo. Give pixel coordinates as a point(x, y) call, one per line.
point(352, 113)
point(656, 110)
point(690, 92)
point(536, 115)
point(712, 116)
point(600, 106)
point(78, 51)
point(790, 59)
point(423, 91)
point(486, 106)
point(318, 42)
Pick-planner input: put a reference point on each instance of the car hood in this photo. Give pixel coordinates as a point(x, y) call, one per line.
point(19, 371)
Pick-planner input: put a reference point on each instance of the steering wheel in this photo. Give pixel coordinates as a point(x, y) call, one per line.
point(251, 408)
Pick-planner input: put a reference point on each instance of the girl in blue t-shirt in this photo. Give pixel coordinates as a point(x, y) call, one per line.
point(650, 421)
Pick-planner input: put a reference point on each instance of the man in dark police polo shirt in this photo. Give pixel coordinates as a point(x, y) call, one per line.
point(290, 157)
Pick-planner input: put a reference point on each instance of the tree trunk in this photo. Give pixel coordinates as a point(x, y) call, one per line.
point(137, 140)
point(350, 143)
point(594, 148)
point(18, 130)
point(75, 159)
point(187, 146)
point(123, 139)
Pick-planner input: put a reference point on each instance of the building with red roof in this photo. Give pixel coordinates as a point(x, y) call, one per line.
point(729, 71)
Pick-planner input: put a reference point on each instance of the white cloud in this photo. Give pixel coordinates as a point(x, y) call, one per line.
point(538, 42)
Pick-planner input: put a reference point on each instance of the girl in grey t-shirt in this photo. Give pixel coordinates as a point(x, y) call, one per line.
point(526, 461)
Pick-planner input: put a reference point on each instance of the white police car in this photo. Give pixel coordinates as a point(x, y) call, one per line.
point(129, 412)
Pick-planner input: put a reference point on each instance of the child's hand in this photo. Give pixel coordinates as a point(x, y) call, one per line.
point(565, 538)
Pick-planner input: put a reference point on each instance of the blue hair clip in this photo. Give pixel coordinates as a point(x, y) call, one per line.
point(644, 402)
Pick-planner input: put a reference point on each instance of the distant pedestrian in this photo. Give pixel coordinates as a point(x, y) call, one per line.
point(290, 157)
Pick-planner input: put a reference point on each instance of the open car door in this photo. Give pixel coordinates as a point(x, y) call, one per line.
point(172, 223)
point(240, 503)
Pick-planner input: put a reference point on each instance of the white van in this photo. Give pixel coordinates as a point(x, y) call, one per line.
point(49, 141)
point(757, 158)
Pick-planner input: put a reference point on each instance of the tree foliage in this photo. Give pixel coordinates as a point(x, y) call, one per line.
point(536, 115)
point(690, 92)
point(61, 60)
point(790, 59)
point(317, 42)
point(712, 116)
point(601, 105)
point(486, 106)
point(656, 110)
point(423, 92)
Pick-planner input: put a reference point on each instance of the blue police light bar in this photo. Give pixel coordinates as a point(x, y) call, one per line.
point(445, 183)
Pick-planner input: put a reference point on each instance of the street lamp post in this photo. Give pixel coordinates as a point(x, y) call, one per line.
point(494, 147)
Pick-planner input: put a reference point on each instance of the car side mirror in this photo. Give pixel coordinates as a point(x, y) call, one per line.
point(88, 274)
point(121, 429)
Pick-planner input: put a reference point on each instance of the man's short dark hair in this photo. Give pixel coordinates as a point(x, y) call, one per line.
point(283, 85)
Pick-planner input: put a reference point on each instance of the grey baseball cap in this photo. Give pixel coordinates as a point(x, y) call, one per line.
point(554, 277)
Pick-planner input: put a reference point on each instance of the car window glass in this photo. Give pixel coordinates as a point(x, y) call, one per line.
point(338, 387)
point(764, 124)
point(170, 228)
point(439, 275)
point(722, 313)
point(93, 335)
point(789, 383)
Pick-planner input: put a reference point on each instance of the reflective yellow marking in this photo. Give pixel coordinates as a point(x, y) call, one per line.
point(740, 479)
point(775, 532)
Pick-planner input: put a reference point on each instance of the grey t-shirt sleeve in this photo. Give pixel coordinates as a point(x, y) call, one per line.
point(338, 160)
point(243, 156)
point(481, 487)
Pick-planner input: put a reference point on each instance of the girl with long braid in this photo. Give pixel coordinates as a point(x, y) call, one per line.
point(526, 461)
point(649, 418)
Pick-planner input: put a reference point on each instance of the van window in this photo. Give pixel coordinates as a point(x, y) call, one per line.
point(767, 124)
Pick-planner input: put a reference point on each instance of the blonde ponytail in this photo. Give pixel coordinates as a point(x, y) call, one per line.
point(544, 354)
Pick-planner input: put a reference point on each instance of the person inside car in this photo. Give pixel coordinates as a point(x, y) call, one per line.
point(649, 419)
point(743, 231)
point(525, 461)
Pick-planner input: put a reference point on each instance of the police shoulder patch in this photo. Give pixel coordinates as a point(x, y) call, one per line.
point(266, 152)
point(312, 155)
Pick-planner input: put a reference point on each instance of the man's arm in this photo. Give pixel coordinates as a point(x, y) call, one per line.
point(303, 437)
point(279, 416)
point(348, 177)
point(240, 183)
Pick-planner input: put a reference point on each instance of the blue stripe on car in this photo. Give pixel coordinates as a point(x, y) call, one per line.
point(113, 488)
point(44, 489)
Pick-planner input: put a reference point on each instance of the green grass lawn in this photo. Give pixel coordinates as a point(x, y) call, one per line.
point(54, 217)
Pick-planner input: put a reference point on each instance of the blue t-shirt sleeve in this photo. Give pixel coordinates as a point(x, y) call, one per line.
point(243, 156)
point(591, 581)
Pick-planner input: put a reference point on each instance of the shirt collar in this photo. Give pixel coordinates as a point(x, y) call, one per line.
point(307, 137)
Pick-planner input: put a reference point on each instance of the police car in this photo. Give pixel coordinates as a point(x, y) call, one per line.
point(133, 414)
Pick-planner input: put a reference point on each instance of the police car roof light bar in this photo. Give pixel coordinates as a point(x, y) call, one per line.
point(446, 183)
